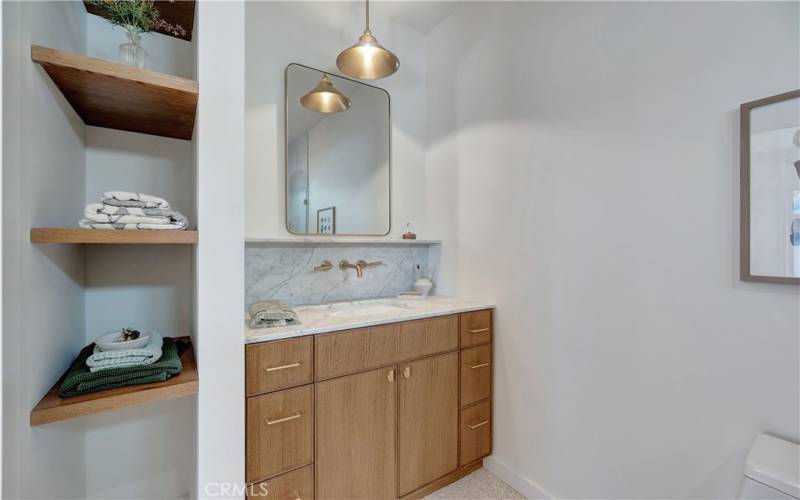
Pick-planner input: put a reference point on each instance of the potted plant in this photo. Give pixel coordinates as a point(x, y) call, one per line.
point(137, 17)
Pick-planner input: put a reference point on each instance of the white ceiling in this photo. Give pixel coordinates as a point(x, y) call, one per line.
point(420, 16)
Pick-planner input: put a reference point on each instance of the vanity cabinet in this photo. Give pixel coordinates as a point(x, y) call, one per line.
point(356, 438)
point(391, 411)
point(427, 424)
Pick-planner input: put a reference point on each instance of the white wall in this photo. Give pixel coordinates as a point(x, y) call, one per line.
point(43, 183)
point(219, 155)
point(313, 33)
point(583, 172)
point(147, 287)
point(166, 54)
point(1, 253)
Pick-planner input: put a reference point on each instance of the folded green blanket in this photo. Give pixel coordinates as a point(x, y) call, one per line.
point(79, 380)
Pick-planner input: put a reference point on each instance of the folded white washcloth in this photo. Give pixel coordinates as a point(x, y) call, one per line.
point(269, 313)
point(128, 199)
point(147, 355)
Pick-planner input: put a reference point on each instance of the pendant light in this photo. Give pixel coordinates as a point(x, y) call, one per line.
point(367, 60)
point(324, 98)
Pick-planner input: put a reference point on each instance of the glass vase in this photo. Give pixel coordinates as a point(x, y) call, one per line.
point(132, 53)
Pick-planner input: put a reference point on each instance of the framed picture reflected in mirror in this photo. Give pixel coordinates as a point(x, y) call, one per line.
point(326, 220)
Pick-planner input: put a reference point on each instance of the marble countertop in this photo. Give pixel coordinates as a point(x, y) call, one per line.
point(338, 316)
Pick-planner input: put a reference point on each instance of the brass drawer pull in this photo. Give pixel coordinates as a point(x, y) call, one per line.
point(479, 424)
point(474, 367)
point(276, 368)
point(407, 372)
point(390, 376)
point(479, 330)
point(284, 419)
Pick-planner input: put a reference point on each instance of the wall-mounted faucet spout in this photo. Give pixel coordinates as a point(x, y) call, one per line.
point(359, 266)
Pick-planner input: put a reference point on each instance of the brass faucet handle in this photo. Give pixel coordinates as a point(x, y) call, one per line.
point(324, 266)
point(344, 265)
point(363, 263)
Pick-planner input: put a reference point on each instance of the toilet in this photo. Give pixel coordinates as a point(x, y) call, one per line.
point(772, 470)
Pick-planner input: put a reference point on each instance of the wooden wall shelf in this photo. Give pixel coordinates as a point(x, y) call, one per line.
point(120, 97)
point(176, 12)
point(53, 408)
point(97, 236)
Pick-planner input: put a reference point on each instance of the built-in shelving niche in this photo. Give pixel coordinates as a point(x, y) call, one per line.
point(115, 96)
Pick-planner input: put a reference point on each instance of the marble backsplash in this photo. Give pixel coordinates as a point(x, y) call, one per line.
point(284, 272)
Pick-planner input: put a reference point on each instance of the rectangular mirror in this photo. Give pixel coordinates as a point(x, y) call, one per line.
point(770, 196)
point(338, 162)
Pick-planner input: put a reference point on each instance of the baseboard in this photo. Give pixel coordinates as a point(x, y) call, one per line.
point(522, 484)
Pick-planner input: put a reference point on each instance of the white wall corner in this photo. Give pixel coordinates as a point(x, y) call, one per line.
point(219, 142)
point(522, 484)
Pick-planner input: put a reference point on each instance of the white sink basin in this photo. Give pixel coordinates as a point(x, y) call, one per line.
point(371, 309)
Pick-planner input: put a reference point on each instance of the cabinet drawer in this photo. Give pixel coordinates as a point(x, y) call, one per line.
point(428, 336)
point(476, 433)
point(476, 328)
point(280, 430)
point(355, 350)
point(476, 374)
point(295, 485)
point(278, 365)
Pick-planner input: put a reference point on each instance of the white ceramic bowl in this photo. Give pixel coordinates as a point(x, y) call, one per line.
point(106, 342)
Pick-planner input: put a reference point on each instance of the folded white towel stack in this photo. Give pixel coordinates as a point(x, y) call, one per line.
point(125, 210)
point(123, 358)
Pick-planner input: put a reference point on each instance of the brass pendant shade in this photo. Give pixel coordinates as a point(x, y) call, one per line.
point(324, 98)
point(367, 59)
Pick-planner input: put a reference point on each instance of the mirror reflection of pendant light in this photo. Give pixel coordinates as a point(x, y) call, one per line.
point(324, 98)
point(367, 60)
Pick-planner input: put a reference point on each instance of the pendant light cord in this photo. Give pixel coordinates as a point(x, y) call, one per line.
point(367, 2)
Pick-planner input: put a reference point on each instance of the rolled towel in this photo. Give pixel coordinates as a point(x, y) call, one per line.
point(271, 313)
point(109, 214)
point(124, 358)
point(138, 200)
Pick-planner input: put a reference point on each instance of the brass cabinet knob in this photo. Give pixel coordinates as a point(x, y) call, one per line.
point(407, 372)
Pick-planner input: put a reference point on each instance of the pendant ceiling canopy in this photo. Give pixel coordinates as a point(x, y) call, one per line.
point(324, 98)
point(367, 59)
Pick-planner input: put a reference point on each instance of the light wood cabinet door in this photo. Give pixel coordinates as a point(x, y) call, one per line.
point(295, 485)
point(354, 351)
point(279, 432)
point(278, 365)
point(476, 374)
point(427, 420)
point(476, 328)
point(356, 436)
point(428, 336)
point(476, 432)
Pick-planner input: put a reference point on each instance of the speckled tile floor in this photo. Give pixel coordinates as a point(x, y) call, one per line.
point(480, 485)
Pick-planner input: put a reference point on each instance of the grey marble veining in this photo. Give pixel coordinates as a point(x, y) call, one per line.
point(324, 318)
point(284, 272)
